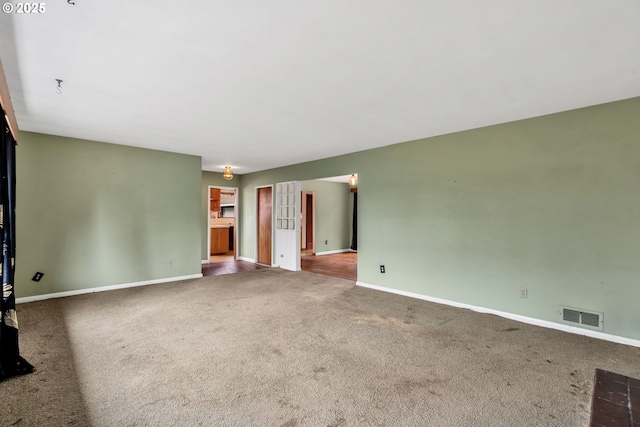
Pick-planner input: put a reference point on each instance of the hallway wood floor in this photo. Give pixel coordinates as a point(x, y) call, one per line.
point(229, 267)
point(344, 265)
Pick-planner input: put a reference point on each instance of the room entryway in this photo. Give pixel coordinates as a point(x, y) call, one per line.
point(323, 211)
point(307, 223)
point(223, 231)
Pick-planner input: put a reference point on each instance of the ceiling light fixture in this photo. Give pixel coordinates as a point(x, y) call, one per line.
point(353, 181)
point(59, 88)
point(227, 174)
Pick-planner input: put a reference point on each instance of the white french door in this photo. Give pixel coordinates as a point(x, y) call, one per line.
point(287, 212)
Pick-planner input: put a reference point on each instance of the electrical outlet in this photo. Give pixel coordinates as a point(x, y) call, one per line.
point(326, 242)
point(524, 293)
point(382, 269)
point(37, 277)
point(170, 262)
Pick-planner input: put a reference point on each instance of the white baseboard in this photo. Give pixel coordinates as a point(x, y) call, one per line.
point(338, 251)
point(517, 317)
point(104, 288)
point(205, 261)
point(243, 258)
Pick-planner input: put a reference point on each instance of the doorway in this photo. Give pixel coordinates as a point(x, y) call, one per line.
point(308, 224)
point(329, 226)
point(223, 230)
point(265, 225)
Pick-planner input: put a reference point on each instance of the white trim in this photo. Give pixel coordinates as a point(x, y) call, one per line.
point(244, 258)
point(517, 317)
point(236, 221)
point(205, 261)
point(338, 251)
point(105, 288)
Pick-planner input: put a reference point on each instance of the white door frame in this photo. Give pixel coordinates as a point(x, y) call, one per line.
point(236, 226)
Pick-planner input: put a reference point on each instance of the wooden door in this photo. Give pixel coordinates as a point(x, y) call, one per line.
point(264, 225)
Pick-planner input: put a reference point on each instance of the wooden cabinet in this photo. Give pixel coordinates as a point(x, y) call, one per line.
point(214, 200)
point(219, 240)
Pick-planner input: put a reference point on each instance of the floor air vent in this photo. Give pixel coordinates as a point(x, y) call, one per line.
point(585, 318)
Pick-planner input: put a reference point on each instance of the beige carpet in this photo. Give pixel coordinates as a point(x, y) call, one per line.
point(276, 348)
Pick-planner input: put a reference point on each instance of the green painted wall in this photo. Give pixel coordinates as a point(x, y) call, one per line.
point(91, 214)
point(214, 179)
point(333, 215)
point(549, 203)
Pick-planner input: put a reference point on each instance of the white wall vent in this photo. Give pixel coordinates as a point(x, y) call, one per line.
point(583, 318)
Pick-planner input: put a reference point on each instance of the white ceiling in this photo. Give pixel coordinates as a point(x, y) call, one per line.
point(260, 84)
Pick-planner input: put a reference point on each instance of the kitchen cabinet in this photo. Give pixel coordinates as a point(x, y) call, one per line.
point(219, 240)
point(214, 200)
